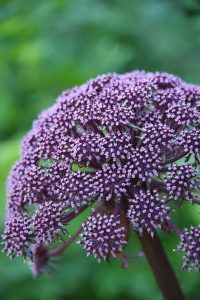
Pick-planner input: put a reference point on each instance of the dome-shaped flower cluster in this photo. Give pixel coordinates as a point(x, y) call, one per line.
point(190, 141)
point(47, 221)
point(182, 182)
point(128, 141)
point(190, 244)
point(103, 236)
point(17, 235)
point(147, 211)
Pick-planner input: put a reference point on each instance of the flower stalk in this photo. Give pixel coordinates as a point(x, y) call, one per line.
point(161, 267)
point(111, 147)
point(62, 248)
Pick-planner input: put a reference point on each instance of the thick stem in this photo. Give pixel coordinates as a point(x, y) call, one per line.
point(160, 265)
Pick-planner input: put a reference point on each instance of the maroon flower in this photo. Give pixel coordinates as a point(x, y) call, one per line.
point(181, 183)
point(190, 244)
point(103, 236)
point(147, 211)
point(126, 144)
point(17, 235)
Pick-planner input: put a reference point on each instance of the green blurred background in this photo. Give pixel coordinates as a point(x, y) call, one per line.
point(49, 45)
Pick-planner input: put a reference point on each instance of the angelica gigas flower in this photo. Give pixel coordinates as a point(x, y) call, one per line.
point(103, 236)
point(124, 146)
point(17, 235)
point(190, 244)
point(147, 211)
point(47, 221)
point(182, 182)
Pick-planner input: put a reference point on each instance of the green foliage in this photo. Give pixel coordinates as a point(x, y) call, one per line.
point(50, 45)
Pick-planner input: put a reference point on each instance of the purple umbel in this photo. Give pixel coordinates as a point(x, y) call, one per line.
point(147, 211)
point(119, 145)
point(190, 244)
point(103, 236)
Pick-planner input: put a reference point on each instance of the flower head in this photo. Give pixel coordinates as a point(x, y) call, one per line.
point(159, 136)
point(17, 235)
point(47, 221)
point(128, 141)
point(190, 244)
point(181, 183)
point(103, 236)
point(190, 141)
point(147, 211)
